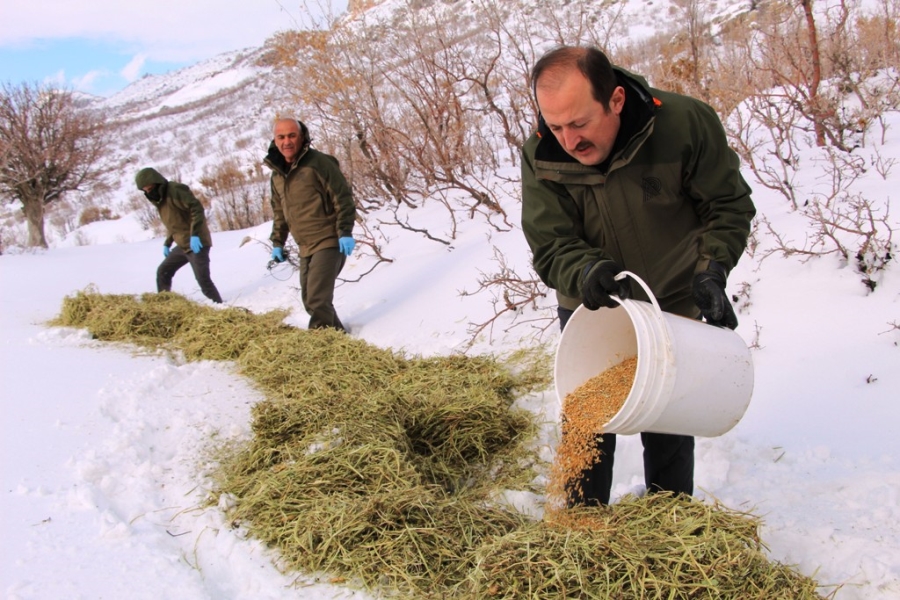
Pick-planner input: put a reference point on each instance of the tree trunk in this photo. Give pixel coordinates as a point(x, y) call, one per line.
point(815, 108)
point(34, 214)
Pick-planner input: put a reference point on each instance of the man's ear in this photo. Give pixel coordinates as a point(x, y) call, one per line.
point(617, 100)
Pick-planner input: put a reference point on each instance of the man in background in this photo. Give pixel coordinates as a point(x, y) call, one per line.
point(312, 200)
point(185, 221)
point(620, 176)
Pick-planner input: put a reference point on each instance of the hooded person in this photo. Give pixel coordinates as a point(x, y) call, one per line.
point(312, 201)
point(185, 220)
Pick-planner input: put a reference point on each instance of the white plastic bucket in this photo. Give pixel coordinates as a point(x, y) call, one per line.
point(691, 379)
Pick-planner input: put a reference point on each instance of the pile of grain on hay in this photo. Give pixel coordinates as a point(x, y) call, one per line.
point(381, 470)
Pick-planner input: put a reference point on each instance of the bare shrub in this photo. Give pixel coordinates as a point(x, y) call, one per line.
point(81, 238)
point(12, 237)
point(520, 301)
point(813, 85)
point(237, 194)
point(146, 214)
point(92, 214)
point(678, 60)
point(243, 143)
point(62, 216)
point(849, 224)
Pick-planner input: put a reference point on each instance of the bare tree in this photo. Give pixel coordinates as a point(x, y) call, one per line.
point(814, 79)
point(51, 145)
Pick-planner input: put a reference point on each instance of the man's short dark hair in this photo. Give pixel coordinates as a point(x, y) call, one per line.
point(590, 62)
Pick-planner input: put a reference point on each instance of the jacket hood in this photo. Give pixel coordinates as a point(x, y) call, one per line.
point(276, 158)
point(147, 177)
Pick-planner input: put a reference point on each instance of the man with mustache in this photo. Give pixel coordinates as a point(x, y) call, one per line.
point(621, 176)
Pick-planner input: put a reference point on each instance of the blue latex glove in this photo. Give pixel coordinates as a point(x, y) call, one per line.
point(347, 244)
point(166, 251)
point(277, 255)
point(196, 246)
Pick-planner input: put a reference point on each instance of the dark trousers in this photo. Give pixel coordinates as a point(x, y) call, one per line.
point(668, 461)
point(199, 261)
point(317, 276)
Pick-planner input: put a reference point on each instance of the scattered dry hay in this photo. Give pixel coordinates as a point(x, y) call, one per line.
point(171, 321)
point(149, 320)
point(379, 470)
point(659, 546)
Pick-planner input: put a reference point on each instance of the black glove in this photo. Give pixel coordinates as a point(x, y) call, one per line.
point(710, 297)
point(598, 283)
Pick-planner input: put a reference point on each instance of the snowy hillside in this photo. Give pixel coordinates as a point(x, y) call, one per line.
point(182, 121)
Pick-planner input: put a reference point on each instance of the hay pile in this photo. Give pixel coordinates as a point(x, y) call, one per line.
point(172, 321)
point(382, 471)
point(655, 547)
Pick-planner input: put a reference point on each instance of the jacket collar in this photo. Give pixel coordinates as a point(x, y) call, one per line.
point(275, 159)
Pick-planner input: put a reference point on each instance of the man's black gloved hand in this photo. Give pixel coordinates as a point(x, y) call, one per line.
point(710, 297)
point(599, 283)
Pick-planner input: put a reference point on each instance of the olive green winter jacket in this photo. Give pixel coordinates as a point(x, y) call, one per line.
point(670, 199)
point(311, 199)
point(179, 210)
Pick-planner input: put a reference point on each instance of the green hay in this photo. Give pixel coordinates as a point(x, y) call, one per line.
point(149, 320)
point(170, 320)
point(659, 546)
point(381, 470)
point(226, 334)
point(448, 415)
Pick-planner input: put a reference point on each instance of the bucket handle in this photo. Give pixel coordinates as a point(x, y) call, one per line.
point(622, 274)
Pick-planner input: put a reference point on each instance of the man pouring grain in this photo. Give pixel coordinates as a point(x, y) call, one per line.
point(620, 176)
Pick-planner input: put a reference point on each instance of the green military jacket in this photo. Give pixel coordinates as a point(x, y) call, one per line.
point(670, 199)
point(179, 210)
point(310, 198)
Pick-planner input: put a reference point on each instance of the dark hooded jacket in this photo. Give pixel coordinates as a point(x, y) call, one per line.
point(669, 199)
point(310, 198)
point(179, 210)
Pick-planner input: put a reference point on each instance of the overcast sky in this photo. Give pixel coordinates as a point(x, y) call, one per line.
point(100, 46)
